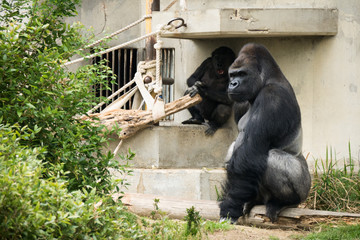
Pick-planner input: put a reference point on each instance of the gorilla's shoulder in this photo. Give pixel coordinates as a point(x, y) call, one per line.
point(275, 96)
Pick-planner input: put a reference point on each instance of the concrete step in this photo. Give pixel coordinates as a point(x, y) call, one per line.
point(193, 184)
point(177, 160)
point(178, 146)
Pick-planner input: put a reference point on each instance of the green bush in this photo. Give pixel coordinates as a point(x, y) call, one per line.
point(35, 208)
point(54, 176)
point(36, 91)
point(193, 220)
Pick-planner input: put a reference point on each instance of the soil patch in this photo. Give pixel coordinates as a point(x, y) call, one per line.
point(254, 233)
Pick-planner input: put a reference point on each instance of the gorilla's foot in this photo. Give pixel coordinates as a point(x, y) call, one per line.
point(193, 121)
point(230, 210)
point(247, 207)
point(211, 128)
point(232, 220)
point(273, 210)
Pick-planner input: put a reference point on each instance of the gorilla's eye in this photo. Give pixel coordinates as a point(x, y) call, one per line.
point(232, 74)
point(237, 73)
point(242, 73)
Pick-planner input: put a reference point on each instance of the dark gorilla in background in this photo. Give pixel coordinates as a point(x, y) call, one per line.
point(266, 164)
point(211, 80)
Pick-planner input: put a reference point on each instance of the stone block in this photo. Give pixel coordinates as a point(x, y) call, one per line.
point(193, 184)
point(180, 146)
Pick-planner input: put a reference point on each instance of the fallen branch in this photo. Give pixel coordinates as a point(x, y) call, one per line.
point(131, 121)
point(298, 218)
point(290, 218)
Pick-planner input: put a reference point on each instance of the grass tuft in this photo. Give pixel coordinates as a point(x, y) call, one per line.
point(336, 185)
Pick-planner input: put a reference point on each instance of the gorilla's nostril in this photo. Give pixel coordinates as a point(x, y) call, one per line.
point(233, 84)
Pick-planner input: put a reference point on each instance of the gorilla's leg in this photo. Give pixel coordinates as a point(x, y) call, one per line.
point(196, 117)
point(195, 111)
point(275, 206)
point(287, 180)
point(248, 206)
point(217, 118)
point(230, 209)
point(237, 192)
point(273, 209)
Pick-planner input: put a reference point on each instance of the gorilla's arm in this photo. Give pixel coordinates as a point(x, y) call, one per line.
point(196, 84)
point(240, 109)
point(199, 72)
point(215, 95)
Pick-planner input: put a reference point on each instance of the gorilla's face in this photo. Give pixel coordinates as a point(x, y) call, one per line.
point(245, 79)
point(222, 58)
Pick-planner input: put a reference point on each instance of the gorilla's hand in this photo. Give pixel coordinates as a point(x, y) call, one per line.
point(196, 88)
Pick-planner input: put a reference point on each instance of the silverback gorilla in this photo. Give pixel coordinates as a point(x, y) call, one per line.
point(211, 80)
point(266, 164)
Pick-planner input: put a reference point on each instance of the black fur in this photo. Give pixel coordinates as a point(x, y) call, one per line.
point(266, 164)
point(211, 80)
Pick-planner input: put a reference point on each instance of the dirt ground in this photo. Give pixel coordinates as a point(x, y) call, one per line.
point(254, 233)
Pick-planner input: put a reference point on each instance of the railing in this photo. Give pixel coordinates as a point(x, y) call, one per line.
point(123, 63)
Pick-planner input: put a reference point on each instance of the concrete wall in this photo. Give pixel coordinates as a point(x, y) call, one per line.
point(324, 71)
point(107, 16)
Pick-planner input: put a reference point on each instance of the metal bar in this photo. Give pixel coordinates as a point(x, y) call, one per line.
point(165, 74)
point(119, 68)
point(125, 72)
point(172, 75)
point(131, 63)
point(113, 68)
point(130, 74)
point(107, 79)
point(121, 74)
point(101, 84)
point(168, 53)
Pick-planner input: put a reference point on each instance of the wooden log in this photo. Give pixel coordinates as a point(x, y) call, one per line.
point(131, 121)
point(143, 205)
point(290, 218)
point(298, 218)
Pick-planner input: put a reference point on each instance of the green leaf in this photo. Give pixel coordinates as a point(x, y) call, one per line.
point(45, 26)
point(30, 105)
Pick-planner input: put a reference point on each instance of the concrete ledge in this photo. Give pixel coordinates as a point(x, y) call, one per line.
point(194, 184)
point(252, 22)
point(180, 146)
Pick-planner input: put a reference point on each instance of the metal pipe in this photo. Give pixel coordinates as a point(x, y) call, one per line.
point(151, 5)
